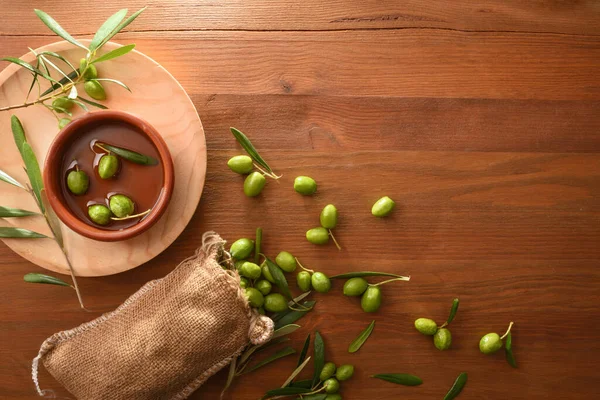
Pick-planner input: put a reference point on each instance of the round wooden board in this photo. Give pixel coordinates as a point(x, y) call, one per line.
point(156, 97)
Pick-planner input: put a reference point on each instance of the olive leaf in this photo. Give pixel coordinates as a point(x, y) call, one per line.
point(257, 348)
point(285, 330)
point(10, 232)
point(316, 396)
point(257, 245)
point(307, 384)
point(56, 28)
point(52, 220)
point(107, 28)
point(273, 357)
point(292, 316)
point(122, 25)
point(458, 386)
point(56, 55)
point(304, 350)
point(250, 149)
point(295, 373)
point(8, 212)
point(453, 311)
point(28, 67)
point(80, 104)
point(121, 51)
point(277, 316)
point(230, 376)
point(400, 379)
point(360, 274)
point(279, 278)
point(33, 172)
point(113, 81)
point(18, 133)
point(70, 76)
point(361, 339)
point(41, 278)
point(92, 103)
point(319, 357)
point(287, 391)
point(128, 154)
point(9, 179)
point(510, 358)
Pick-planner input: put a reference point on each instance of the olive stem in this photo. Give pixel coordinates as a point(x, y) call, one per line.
point(100, 145)
point(445, 324)
point(334, 241)
point(301, 266)
point(131, 216)
point(508, 330)
point(404, 278)
point(266, 173)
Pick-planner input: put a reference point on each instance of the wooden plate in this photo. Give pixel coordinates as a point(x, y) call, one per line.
point(156, 97)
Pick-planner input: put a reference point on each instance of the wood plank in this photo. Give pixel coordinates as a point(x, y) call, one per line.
point(439, 64)
point(582, 17)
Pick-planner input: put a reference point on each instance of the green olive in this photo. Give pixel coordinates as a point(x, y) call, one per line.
point(99, 213)
point(63, 102)
point(331, 385)
point(266, 272)
point(275, 302)
point(240, 164)
point(254, 184)
point(328, 371)
point(490, 343)
point(261, 310)
point(355, 286)
point(305, 185)
point(333, 396)
point(329, 216)
point(318, 235)
point(95, 90)
point(108, 166)
point(237, 264)
point(286, 261)
point(90, 73)
point(244, 282)
point(78, 182)
point(63, 122)
point(383, 207)
point(241, 248)
point(344, 372)
point(121, 205)
point(82, 65)
point(303, 280)
point(442, 339)
point(320, 282)
point(264, 286)
point(426, 326)
point(250, 270)
point(371, 299)
point(255, 298)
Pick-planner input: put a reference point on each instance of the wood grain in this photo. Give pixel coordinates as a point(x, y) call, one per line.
point(488, 141)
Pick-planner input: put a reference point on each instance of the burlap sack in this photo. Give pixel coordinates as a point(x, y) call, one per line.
point(164, 341)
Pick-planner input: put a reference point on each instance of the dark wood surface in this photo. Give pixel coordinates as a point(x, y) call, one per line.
point(481, 119)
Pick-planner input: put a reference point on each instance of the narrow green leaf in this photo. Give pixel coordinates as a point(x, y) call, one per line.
point(122, 25)
point(249, 352)
point(9, 179)
point(129, 155)
point(277, 316)
point(304, 350)
point(292, 316)
point(60, 83)
point(453, 311)
point(18, 133)
point(316, 396)
point(121, 51)
point(41, 278)
point(113, 81)
point(285, 330)
point(7, 212)
point(23, 64)
point(306, 384)
point(250, 149)
point(52, 219)
point(56, 55)
point(257, 245)
point(93, 103)
point(458, 386)
point(273, 357)
point(81, 104)
point(361, 339)
point(400, 379)
point(287, 391)
point(56, 28)
point(230, 375)
point(510, 358)
point(360, 274)
point(295, 373)
point(33, 172)
point(60, 71)
point(33, 81)
point(107, 28)
point(319, 357)
point(19, 233)
point(279, 278)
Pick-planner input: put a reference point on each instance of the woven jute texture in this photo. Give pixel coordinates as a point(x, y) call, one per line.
point(164, 341)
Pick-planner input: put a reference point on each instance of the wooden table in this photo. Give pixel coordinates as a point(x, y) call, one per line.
point(481, 119)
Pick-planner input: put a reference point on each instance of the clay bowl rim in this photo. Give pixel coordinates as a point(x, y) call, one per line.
point(52, 176)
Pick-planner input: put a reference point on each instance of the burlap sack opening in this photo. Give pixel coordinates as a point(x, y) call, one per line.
point(164, 341)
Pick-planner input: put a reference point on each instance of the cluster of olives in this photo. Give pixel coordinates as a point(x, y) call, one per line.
point(328, 219)
point(255, 181)
point(92, 87)
point(331, 376)
point(370, 300)
point(442, 338)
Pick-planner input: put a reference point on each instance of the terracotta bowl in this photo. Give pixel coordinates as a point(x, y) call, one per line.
point(53, 175)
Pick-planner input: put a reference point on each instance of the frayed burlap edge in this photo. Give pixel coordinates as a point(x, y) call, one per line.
point(260, 332)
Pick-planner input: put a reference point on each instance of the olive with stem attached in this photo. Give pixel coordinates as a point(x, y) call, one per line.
point(328, 219)
point(492, 342)
point(78, 181)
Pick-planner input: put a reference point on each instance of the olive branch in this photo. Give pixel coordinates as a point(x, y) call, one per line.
point(63, 93)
